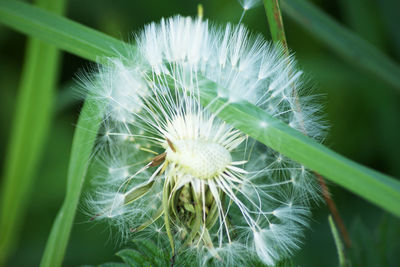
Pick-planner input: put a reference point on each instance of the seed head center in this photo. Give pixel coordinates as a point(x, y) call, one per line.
point(199, 158)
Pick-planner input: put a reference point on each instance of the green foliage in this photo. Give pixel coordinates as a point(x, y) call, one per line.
point(145, 253)
point(368, 250)
point(338, 242)
point(32, 118)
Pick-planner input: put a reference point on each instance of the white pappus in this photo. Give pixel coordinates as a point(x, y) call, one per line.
point(173, 168)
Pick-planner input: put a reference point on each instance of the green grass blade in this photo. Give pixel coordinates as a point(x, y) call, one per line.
point(61, 32)
point(30, 127)
point(338, 242)
point(343, 41)
point(275, 22)
point(82, 146)
point(378, 188)
point(278, 36)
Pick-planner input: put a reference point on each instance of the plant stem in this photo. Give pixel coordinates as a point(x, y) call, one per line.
point(278, 36)
point(275, 23)
point(333, 209)
point(338, 242)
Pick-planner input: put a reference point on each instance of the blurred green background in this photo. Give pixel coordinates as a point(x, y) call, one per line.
point(363, 112)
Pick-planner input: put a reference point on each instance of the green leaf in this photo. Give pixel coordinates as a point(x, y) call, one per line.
point(343, 41)
point(144, 254)
point(137, 192)
point(82, 146)
point(131, 257)
point(32, 118)
point(114, 264)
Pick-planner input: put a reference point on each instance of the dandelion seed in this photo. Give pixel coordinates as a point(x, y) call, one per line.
point(210, 188)
point(246, 5)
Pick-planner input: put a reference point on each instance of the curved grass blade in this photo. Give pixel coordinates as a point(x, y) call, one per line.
point(338, 242)
point(343, 41)
point(82, 146)
point(59, 31)
point(30, 127)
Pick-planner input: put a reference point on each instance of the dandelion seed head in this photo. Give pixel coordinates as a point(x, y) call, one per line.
point(184, 164)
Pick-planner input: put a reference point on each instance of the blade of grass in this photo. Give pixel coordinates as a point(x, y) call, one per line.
point(343, 41)
point(338, 242)
point(61, 32)
point(82, 146)
point(275, 22)
point(30, 127)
